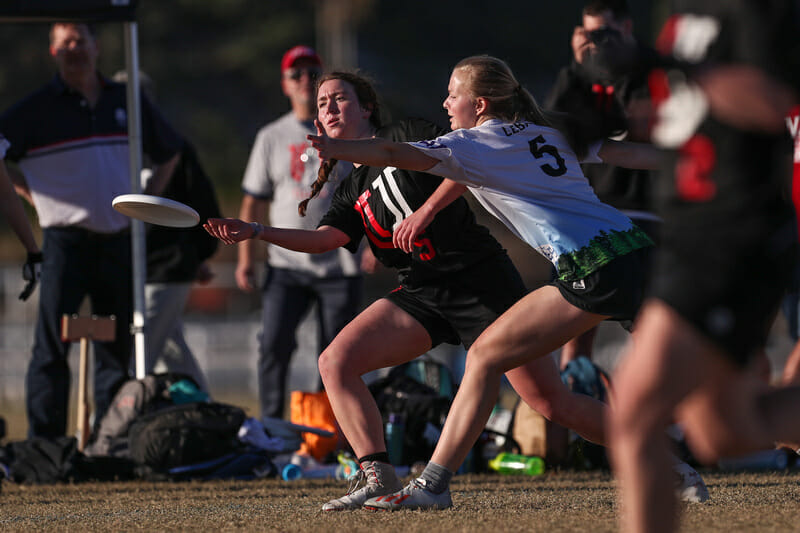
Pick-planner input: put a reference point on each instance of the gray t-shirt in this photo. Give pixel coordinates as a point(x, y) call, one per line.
point(281, 169)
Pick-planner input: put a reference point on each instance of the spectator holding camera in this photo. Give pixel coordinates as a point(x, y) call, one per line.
point(618, 104)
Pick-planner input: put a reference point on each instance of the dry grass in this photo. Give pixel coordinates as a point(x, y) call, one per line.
point(556, 501)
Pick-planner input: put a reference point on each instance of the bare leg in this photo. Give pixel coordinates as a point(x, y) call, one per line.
point(724, 409)
point(736, 413)
point(382, 335)
point(535, 326)
point(648, 387)
point(583, 344)
point(539, 385)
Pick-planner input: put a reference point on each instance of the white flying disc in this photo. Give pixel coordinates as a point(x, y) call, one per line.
point(156, 210)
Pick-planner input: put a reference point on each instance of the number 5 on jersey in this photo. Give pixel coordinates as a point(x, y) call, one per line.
point(540, 151)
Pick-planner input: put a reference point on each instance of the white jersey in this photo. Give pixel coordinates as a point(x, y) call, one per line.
point(528, 177)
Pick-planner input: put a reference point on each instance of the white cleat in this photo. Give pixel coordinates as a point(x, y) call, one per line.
point(689, 486)
point(413, 496)
point(380, 480)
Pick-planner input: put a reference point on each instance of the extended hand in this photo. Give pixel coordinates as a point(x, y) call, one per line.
point(409, 229)
point(321, 142)
point(229, 230)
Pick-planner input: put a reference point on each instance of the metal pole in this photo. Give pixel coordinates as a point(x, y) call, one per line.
point(137, 227)
point(335, 33)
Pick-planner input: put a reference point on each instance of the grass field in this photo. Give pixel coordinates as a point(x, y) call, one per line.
point(556, 501)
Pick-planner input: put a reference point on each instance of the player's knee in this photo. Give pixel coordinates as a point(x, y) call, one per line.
point(626, 416)
point(481, 358)
point(329, 365)
point(551, 411)
point(553, 403)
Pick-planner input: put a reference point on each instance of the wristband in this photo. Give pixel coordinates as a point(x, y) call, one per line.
point(257, 229)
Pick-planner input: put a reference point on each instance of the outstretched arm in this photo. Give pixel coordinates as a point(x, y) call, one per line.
point(372, 152)
point(631, 155)
point(233, 230)
point(412, 226)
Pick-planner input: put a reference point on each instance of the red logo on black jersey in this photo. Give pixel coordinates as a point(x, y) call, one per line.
point(693, 170)
point(381, 237)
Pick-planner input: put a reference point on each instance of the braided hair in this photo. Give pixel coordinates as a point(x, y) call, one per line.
point(367, 99)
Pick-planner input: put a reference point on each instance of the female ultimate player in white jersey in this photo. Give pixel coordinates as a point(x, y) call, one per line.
point(526, 174)
point(454, 281)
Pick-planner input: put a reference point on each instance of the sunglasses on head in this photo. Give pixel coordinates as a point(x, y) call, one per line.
point(297, 73)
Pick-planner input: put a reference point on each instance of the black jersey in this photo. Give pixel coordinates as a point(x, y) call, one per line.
point(372, 201)
point(720, 173)
point(727, 241)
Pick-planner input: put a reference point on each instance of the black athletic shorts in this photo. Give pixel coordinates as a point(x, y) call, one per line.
point(727, 280)
point(615, 290)
point(459, 306)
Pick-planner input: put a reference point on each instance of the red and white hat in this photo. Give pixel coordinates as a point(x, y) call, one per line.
point(299, 52)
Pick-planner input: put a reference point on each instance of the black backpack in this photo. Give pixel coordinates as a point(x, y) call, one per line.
point(185, 434)
point(420, 392)
point(134, 399)
point(40, 460)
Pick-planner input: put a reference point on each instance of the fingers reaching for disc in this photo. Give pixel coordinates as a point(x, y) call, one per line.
point(228, 230)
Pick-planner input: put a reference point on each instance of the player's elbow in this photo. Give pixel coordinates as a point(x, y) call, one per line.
point(328, 239)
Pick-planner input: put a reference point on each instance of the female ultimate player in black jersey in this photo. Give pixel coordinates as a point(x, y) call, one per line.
point(727, 251)
point(456, 280)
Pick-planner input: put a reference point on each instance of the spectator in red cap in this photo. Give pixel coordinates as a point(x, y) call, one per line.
point(300, 52)
point(281, 169)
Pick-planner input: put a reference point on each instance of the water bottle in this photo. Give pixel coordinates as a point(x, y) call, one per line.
point(512, 463)
point(291, 472)
point(348, 466)
point(395, 430)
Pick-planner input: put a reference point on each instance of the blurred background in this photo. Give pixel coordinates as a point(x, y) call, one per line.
point(216, 64)
point(216, 70)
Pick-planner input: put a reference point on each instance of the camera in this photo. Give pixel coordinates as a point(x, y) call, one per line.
point(604, 35)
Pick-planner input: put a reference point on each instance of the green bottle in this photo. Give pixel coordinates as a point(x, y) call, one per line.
point(512, 463)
